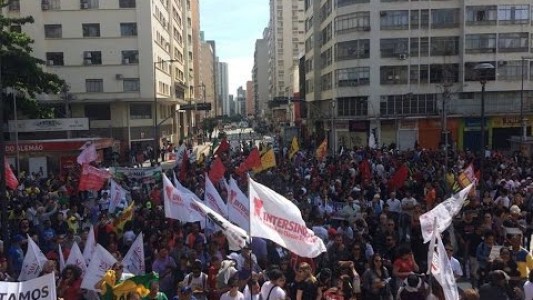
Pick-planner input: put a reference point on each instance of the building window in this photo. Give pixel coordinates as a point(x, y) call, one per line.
point(409, 104)
point(352, 77)
point(393, 74)
point(352, 106)
point(513, 14)
point(326, 82)
point(126, 3)
point(443, 73)
point(419, 46)
point(480, 43)
point(472, 75)
point(445, 45)
point(94, 85)
point(89, 4)
point(445, 18)
point(355, 49)
point(54, 59)
point(326, 58)
point(510, 70)
point(14, 5)
point(128, 29)
point(342, 3)
point(140, 111)
point(394, 47)
point(358, 21)
point(91, 30)
point(98, 111)
point(326, 34)
point(131, 85)
point(92, 57)
point(50, 4)
point(394, 19)
point(481, 15)
point(513, 42)
point(130, 57)
point(53, 31)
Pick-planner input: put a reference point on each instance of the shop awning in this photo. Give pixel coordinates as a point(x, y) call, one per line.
point(63, 145)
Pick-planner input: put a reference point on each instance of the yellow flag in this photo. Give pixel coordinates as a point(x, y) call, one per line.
point(322, 150)
point(295, 147)
point(268, 160)
point(124, 217)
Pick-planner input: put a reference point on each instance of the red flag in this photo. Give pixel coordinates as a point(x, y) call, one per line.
point(217, 170)
point(364, 166)
point(398, 179)
point(92, 179)
point(11, 180)
point(184, 167)
point(252, 161)
point(223, 147)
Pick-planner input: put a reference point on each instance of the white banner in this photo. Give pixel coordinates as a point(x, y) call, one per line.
point(101, 261)
point(178, 205)
point(279, 220)
point(238, 205)
point(117, 196)
point(61, 259)
point(133, 261)
point(35, 125)
point(213, 200)
point(42, 288)
point(88, 155)
point(76, 258)
point(33, 262)
point(90, 246)
point(441, 268)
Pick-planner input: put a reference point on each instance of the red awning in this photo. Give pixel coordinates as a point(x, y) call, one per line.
point(36, 146)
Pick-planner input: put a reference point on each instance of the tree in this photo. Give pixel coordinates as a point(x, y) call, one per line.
point(209, 124)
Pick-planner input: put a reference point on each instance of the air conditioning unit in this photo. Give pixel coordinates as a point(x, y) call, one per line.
point(87, 61)
point(402, 56)
point(126, 61)
point(119, 77)
point(50, 63)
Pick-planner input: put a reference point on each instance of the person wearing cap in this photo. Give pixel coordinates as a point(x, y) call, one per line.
point(184, 293)
point(498, 288)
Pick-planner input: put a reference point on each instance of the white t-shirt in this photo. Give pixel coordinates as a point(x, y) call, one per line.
point(395, 205)
point(226, 296)
point(456, 267)
point(277, 293)
point(528, 290)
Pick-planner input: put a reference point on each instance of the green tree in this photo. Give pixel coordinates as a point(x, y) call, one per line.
point(22, 72)
point(209, 124)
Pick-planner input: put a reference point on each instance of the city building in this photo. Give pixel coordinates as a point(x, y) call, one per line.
point(260, 75)
point(240, 101)
point(207, 76)
point(223, 83)
point(250, 104)
point(403, 69)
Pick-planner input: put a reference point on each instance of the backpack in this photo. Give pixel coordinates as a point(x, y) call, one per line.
point(203, 275)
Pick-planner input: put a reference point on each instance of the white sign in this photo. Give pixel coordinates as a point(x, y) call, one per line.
point(43, 288)
point(33, 125)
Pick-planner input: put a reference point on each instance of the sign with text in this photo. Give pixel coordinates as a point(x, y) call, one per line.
point(34, 125)
point(43, 288)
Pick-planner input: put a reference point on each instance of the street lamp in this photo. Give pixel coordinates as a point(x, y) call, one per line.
point(333, 147)
point(483, 70)
point(522, 119)
point(156, 127)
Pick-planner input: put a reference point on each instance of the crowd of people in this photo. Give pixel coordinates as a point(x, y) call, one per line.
point(375, 249)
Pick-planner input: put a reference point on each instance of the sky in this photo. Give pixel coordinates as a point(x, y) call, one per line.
point(235, 25)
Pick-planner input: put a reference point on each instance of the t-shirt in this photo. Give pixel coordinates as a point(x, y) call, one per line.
point(226, 296)
point(271, 292)
point(528, 290)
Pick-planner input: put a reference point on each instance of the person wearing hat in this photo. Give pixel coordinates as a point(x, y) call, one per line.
point(184, 293)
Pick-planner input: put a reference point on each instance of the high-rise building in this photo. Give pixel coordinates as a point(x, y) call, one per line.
point(260, 75)
point(117, 57)
point(240, 101)
point(286, 43)
point(224, 89)
point(390, 69)
point(250, 104)
point(207, 77)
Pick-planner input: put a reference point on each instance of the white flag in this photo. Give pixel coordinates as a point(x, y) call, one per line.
point(441, 268)
point(90, 246)
point(76, 258)
point(235, 235)
point(61, 259)
point(178, 205)
point(43, 288)
point(279, 220)
point(134, 260)
point(87, 155)
point(33, 262)
point(213, 200)
point(117, 195)
point(372, 141)
point(444, 213)
point(238, 205)
point(101, 261)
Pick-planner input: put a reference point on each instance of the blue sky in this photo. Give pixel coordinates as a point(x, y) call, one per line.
point(235, 25)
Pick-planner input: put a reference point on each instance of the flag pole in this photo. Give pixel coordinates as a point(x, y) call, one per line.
point(250, 235)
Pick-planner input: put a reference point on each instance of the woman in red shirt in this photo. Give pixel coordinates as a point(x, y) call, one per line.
point(405, 264)
point(70, 282)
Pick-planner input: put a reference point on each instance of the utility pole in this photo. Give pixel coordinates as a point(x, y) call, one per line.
point(3, 198)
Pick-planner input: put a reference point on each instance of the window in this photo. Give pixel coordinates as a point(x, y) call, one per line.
point(413, 47)
point(352, 106)
point(352, 77)
point(14, 5)
point(423, 104)
point(446, 45)
point(443, 73)
point(393, 47)
point(50, 4)
point(358, 21)
point(89, 4)
point(393, 74)
point(94, 85)
point(53, 31)
point(128, 29)
point(341, 3)
point(513, 42)
point(326, 81)
point(126, 3)
point(480, 43)
point(394, 19)
point(130, 57)
point(481, 15)
point(444, 18)
point(472, 75)
point(326, 58)
point(92, 57)
point(98, 111)
point(131, 85)
point(356, 49)
point(510, 70)
point(513, 14)
point(54, 59)
point(91, 30)
point(326, 34)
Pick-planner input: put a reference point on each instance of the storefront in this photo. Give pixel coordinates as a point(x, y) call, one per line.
point(430, 135)
point(503, 128)
point(407, 134)
point(471, 134)
point(57, 156)
point(352, 133)
point(388, 132)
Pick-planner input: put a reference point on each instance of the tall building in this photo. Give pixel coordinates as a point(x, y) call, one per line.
point(286, 42)
point(240, 101)
point(260, 75)
point(224, 88)
point(250, 104)
point(207, 77)
point(117, 57)
point(390, 67)
point(216, 107)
